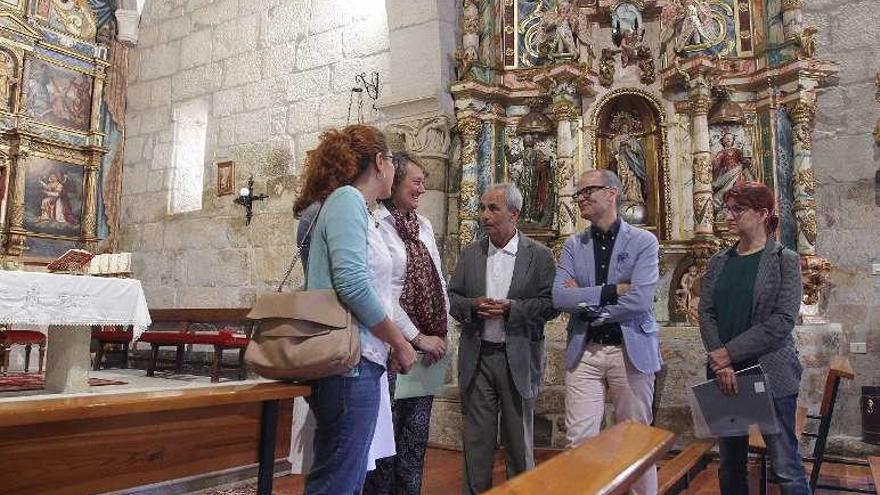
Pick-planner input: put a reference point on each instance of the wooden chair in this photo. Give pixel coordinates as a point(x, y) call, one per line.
point(606, 464)
point(838, 369)
point(27, 338)
point(111, 335)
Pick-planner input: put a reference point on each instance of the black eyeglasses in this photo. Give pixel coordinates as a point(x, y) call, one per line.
point(734, 210)
point(587, 191)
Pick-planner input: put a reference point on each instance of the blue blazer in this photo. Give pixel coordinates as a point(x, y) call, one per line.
point(634, 260)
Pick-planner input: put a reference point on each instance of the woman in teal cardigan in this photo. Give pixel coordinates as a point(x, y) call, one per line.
point(350, 169)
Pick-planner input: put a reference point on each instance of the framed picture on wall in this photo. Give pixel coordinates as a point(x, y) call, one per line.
point(225, 178)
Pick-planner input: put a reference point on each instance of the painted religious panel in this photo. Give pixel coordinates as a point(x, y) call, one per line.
point(57, 95)
point(48, 248)
point(53, 197)
point(733, 160)
point(8, 79)
point(73, 17)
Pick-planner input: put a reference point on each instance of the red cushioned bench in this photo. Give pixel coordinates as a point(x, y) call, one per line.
point(105, 335)
point(187, 321)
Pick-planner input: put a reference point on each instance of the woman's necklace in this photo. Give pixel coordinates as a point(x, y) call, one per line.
point(372, 215)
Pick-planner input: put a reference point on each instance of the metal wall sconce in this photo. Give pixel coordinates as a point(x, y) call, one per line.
point(246, 198)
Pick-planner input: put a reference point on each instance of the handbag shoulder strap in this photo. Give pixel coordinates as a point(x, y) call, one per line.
point(298, 254)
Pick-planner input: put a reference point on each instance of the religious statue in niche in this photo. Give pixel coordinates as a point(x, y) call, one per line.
point(692, 25)
point(563, 32)
point(467, 56)
point(530, 166)
point(628, 33)
point(732, 160)
point(8, 80)
point(628, 161)
point(687, 295)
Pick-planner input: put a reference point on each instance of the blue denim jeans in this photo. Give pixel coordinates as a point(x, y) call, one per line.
point(345, 409)
point(782, 451)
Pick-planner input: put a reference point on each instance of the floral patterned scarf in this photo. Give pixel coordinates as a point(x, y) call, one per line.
point(422, 296)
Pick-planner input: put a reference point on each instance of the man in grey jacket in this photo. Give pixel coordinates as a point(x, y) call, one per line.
point(501, 295)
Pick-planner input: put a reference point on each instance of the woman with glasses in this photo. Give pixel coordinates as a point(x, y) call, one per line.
point(348, 172)
point(751, 295)
point(420, 307)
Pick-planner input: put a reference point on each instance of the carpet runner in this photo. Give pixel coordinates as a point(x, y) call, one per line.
point(35, 381)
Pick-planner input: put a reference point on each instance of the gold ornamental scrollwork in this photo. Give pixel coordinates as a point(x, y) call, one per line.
point(703, 169)
point(466, 234)
point(808, 224)
point(700, 105)
point(16, 214)
point(788, 5)
point(564, 110)
point(806, 180)
point(58, 152)
point(802, 111)
point(816, 275)
point(468, 193)
point(90, 223)
point(469, 127)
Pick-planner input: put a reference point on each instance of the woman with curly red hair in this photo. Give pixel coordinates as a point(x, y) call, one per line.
point(348, 172)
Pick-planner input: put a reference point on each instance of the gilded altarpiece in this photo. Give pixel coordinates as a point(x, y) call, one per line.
point(682, 98)
point(54, 63)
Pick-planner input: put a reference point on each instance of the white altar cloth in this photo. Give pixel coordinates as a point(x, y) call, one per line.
point(44, 299)
point(69, 305)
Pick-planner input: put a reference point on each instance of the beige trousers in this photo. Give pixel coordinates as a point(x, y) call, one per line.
point(606, 367)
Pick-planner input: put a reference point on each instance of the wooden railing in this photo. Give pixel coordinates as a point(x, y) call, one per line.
point(106, 442)
point(606, 464)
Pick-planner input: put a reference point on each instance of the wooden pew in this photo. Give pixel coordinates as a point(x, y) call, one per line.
point(606, 464)
point(677, 473)
point(874, 463)
point(105, 442)
point(185, 319)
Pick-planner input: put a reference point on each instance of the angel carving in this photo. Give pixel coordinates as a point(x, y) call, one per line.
point(429, 137)
point(693, 24)
point(562, 31)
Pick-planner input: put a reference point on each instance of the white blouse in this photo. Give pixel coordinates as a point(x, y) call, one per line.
point(397, 250)
point(372, 347)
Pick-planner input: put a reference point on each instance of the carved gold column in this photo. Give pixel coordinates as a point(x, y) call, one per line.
point(565, 113)
point(802, 113)
point(90, 205)
point(704, 211)
point(16, 237)
point(792, 18)
point(468, 198)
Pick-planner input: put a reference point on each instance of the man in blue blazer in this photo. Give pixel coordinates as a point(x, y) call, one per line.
point(605, 279)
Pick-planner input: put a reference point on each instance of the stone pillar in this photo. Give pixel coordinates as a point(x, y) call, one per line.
point(468, 199)
point(802, 113)
point(565, 114)
point(700, 100)
point(67, 359)
point(792, 18)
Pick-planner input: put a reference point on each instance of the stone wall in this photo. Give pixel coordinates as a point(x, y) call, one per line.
point(273, 74)
point(846, 159)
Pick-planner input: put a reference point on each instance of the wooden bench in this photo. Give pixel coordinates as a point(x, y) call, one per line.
point(874, 463)
point(106, 442)
point(185, 334)
point(676, 474)
point(605, 464)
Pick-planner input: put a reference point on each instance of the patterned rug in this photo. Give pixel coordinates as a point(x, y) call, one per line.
point(36, 381)
point(248, 489)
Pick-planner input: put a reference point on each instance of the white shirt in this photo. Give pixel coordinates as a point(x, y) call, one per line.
point(499, 273)
point(379, 259)
point(397, 249)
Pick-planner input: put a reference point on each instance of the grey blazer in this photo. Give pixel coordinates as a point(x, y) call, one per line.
point(530, 291)
point(775, 305)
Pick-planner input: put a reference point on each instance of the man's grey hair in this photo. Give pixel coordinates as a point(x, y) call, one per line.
point(609, 179)
point(511, 193)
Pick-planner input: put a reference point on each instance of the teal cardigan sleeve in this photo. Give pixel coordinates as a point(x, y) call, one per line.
point(345, 222)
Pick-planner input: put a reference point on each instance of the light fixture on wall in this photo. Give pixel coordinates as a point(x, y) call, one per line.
point(246, 198)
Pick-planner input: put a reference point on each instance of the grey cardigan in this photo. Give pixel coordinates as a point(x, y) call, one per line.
point(775, 306)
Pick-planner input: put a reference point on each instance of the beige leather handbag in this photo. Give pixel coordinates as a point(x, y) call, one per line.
point(302, 335)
